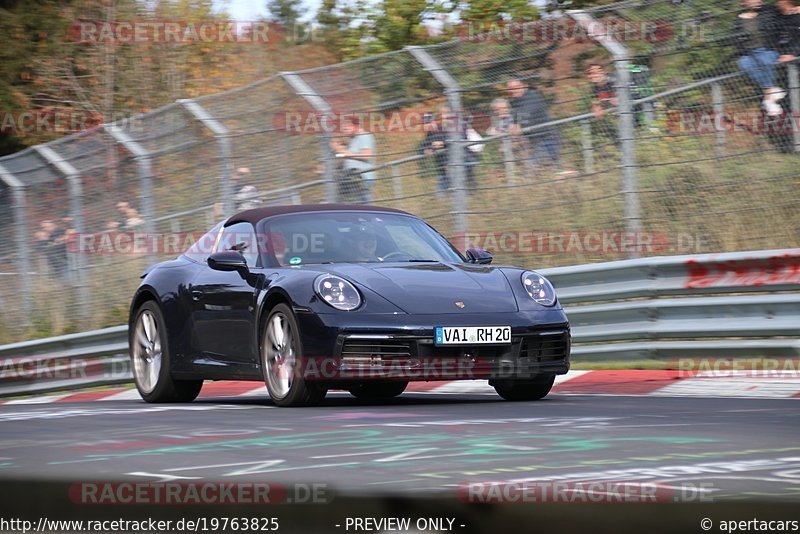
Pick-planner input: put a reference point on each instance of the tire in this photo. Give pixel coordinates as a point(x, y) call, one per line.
point(280, 351)
point(378, 390)
point(151, 359)
point(524, 390)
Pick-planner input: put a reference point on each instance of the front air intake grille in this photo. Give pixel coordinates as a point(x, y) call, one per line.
point(364, 347)
point(375, 353)
point(545, 347)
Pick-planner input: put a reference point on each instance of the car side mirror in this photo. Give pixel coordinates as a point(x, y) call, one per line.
point(230, 260)
point(478, 255)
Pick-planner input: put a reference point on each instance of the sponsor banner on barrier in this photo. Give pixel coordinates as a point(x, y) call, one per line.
point(779, 269)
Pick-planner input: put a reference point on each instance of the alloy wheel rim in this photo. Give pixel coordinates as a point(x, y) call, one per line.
point(279, 355)
point(147, 354)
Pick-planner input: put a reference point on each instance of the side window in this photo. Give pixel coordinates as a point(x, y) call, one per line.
point(241, 237)
point(203, 247)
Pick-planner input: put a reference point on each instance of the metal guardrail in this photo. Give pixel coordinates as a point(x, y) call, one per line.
point(72, 361)
point(740, 304)
point(743, 304)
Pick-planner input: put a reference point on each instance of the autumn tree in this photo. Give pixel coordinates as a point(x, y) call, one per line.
point(343, 27)
point(284, 12)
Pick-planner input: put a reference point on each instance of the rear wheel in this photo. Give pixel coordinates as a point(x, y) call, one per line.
point(524, 390)
point(378, 390)
point(281, 354)
point(150, 358)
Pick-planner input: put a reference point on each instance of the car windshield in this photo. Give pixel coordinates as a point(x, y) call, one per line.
point(354, 237)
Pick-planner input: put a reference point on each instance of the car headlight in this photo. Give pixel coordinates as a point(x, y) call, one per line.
point(337, 292)
point(539, 288)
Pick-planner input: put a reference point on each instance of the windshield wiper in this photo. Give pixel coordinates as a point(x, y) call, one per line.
point(420, 260)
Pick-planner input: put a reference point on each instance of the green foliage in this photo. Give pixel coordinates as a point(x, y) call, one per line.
point(398, 23)
point(582, 4)
point(489, 11)
point(31, 32)
point(358, 28)
point(342, 27)
point(284, 11)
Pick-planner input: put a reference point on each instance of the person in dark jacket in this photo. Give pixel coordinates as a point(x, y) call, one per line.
point(451, 122)
point(433, 145)
point(758, 39)
point(789, 40)
point(604, 97)
point(530, 108)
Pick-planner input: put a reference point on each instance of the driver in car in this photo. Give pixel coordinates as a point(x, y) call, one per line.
point(366, 245)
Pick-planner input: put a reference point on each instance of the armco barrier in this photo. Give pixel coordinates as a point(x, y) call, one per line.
point(72, 361)
point(743, 304)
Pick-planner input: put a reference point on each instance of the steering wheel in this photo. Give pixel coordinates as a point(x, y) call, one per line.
point(395, 253)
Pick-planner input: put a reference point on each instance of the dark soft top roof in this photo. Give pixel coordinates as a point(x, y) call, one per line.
point(254, 215)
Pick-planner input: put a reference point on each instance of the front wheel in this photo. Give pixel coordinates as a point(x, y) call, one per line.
point(524, 390)
point(150, 358)
point(281, 354)
point(378, 390)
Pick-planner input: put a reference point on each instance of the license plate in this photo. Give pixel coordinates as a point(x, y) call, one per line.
point(473, 335)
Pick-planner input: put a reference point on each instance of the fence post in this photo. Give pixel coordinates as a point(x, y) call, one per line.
point(625, 112)
point(508, 160)
point(716, 98)
point(21, 237)
point(76, 212)
point(304, 90)
point(397, 182)
point(144, 169)
point(630, 178)
point(222, 135)
point(794, 98)
point(588, 149)
point(457, 145)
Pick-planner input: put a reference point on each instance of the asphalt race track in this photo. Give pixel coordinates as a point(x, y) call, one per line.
point(714, 449)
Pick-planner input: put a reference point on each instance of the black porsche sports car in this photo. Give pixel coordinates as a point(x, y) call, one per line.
point(360, 298)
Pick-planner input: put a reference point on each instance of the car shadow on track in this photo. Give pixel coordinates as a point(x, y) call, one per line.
point(344, 400)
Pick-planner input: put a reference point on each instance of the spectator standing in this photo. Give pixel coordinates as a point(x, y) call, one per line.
point(502, 119)
point(789, 41)
point(604, 97)
point(53, 241)
point(247, 196)
point(433, 145)
point(604, 90)
point(530, 109)
point(758, 31)
point(42, 237)
point(129, 218)
point(450, 122)
point(358, 157)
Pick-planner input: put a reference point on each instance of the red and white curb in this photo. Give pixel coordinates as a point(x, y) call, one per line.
point(664, 383)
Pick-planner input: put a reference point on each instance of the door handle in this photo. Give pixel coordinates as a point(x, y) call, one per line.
point(196, 294)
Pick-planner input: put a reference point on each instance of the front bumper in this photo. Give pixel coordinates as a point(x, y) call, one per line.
point(351, 347)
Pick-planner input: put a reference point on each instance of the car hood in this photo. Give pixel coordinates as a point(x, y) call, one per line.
point(426, 288)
